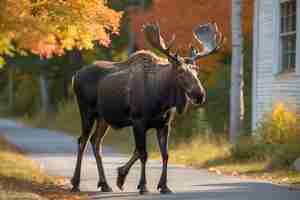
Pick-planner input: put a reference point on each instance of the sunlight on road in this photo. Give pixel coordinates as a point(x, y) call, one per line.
point(56, 153)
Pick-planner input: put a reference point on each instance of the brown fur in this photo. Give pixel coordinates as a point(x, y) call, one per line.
point(140, 58)
point(104, 64)
point(139, 92)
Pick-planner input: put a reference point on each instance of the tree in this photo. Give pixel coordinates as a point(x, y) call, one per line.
point(49, 27)
point(184, 11)
point(45, 104)
point(236, 96)
point(52, 27)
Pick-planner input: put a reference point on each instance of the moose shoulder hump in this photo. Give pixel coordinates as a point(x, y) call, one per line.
point(146, 57)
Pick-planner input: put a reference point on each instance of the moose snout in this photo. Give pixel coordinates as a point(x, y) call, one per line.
point(201, 99)
point(197, 97)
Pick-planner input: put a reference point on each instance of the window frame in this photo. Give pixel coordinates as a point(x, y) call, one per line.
point(277, 66)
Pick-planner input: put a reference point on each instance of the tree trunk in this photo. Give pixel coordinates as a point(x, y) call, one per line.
point(131, 42)
point(45, 103)
point(142, 3)
point(236, 96)
point(242, 100)
point(11, 71)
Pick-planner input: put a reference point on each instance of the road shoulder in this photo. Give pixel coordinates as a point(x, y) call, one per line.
point(22, 178)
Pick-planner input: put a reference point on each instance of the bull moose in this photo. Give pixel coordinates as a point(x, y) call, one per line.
point(141, 92)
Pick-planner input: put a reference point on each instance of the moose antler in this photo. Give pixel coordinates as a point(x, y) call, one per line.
point(211, 39)
point(153, 36)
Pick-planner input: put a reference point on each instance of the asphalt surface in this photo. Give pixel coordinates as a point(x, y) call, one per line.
point(56, 153)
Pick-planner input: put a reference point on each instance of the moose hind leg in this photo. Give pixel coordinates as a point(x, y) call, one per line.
point(82, 141)
point(140, 143)
point(87, 121)
point(162, 137)
point(96, 141)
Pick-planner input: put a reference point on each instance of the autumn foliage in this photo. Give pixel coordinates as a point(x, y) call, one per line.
point(180, 17)
point(280, 126)
point(47, 27)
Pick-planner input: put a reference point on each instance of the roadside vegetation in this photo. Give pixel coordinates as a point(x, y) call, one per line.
point(269, 154)
point(22, 178)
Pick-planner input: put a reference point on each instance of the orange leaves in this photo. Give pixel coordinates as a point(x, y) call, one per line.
point(48, 27)
point(180, 17)
point(45, 48)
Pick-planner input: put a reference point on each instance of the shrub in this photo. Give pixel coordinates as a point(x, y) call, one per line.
point(284, 155)
point(27, 95)
point(280, 126)
point(249, 149)
point(67, 118)
point(39, 119)
point(189, 124)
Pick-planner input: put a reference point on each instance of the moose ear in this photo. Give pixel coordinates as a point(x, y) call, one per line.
point(192, 53)
point(176, 61)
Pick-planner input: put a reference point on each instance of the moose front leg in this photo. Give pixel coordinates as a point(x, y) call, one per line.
point(162, 137)
point(140, 143)
point(123, 171)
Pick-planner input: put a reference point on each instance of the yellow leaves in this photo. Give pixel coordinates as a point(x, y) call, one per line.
point(51, 39)
point(5, 48)
point(67, 43)
point(86, 44)
point(48, 27)
point(281, 126)
point(282, 115)
point(67, 37)
point(2, 62)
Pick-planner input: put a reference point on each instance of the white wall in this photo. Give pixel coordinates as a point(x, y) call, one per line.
point(270, 87)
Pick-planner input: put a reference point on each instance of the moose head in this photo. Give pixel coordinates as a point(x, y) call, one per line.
point(185, 68)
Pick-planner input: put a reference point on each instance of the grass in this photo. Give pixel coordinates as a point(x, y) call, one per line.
point(22, 178)
point(258, 170)
point(251, 158)
point(197, 151)
point(66, 119)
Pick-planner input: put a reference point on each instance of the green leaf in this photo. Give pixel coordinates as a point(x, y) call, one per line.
point(2, 62)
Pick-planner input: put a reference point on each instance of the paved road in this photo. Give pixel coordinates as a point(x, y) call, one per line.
point(56, 153)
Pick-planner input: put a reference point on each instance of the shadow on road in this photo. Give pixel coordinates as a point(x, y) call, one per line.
point(56, 153)
point(233, 191)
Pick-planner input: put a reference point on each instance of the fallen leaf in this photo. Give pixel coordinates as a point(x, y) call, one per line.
point(235, 173)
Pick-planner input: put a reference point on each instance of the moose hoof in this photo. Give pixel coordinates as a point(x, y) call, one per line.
point(143, 190)
point(165, 190)
point(75, 189)
point(104, 187)
point(121, 178)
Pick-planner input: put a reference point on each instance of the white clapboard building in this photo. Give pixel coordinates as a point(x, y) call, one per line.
point(276, 56)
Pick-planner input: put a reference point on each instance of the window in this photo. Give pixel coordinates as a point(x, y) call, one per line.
point(288, 23)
